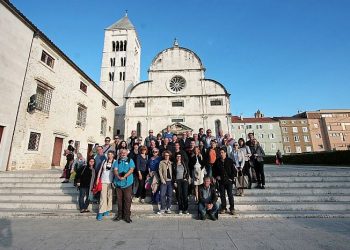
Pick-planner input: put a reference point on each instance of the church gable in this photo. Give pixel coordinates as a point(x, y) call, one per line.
point(178, 128)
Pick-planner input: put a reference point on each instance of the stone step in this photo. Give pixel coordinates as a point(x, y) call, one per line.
point(269, 184)
point(36, 185)
point(244, 206)
point(308, 179)
point(42, 191)
point(27, 213)
point(18, 174)
point(299, 191)
point(30, 179)
point(308, 184)
point(307, 173)
point(73, 198)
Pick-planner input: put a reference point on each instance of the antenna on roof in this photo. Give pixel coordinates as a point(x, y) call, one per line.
point(126, 13)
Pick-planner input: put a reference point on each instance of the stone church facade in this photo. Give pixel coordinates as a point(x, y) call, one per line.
point(176, 92)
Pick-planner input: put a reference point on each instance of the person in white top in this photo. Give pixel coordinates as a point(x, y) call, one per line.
point(105, 175)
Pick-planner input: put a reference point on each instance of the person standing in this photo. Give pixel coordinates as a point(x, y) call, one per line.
point(246, 152)
point(149, 138)
point(105, 175)
point(168, 134)
point(258, 159)
point(142, 172)
point(182, 177)
point(123, 171)
point(279, 159)
point(238, 161)
point(224, 175)
point(69, 154)
point(207, 139)
point(132, 140)
point(83, 179)
point(133, 155)
point(197, 166)
point(153, 170)
point(107, 146)
point(166, 186)
point(212, 155)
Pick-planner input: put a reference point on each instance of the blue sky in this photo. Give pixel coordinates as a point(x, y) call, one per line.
point(278, 56)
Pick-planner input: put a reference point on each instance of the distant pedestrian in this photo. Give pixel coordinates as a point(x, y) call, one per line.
point(279, 158)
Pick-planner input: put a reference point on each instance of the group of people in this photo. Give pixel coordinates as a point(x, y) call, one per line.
point(199, 165)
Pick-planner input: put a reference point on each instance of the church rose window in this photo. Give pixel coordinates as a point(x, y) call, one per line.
point(177, 83)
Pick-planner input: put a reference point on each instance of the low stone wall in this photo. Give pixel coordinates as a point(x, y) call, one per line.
point(315, 158)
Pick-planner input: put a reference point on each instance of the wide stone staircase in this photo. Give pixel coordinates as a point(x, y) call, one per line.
point(291, 191)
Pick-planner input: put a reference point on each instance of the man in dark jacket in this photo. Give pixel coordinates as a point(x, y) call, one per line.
point(223, 172)
point(207, 200)
point(83, 178)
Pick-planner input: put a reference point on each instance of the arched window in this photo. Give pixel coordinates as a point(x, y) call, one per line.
point(124, 45)
point(217, 126)
point(122, 61)
point(121, 47)
point(117, 46)
point(120, 76)
point(138, 129)
point(113, 46)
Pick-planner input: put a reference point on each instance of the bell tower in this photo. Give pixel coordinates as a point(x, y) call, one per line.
point(120, 69)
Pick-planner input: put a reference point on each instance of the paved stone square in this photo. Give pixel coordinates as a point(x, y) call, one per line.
point(167, 233)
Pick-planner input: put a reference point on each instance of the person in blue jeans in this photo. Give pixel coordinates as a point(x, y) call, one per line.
point(207, 204)
point(153, 168)
point(83, 179)
point(166, 186)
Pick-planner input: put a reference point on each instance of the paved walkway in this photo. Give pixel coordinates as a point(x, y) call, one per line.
point(175, 234)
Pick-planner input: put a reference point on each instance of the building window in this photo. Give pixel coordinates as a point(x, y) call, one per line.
point(273, 146)
point(306, 138)
point(83, 87)
point(259, 126)
point(177, 104)
point(216, 102)
point(287, 149)
point(295, 129)
point(103, 126)
point(177, 83)
point(81, 116)
point(303, 122)
point(218, 126)
point(285, 129)
point(272, 136)
point(240, 126)
point(113, 46)
point(47, 59)
point(111, 76)
point(177, 120)
point(123, 61)
point(283, 122)
point(243, 136)
point(104, 103)
point(138, 129)
point(286, 139)
point(120, 76)
point(296, 138)
point(261, 136)
point(328, 127)
point(293, 122)
point(298, 149)
point(308, 149)
point(43, 98)
point(320, 146)
point(249, 126)
point(123, 76)
point(116, 46)
point(34, 140)
point(318, 136)
point(139, 104)
point(121, 47)
point(113, 62)
point(305, 130)
point(125, 45)
point(262, 145)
